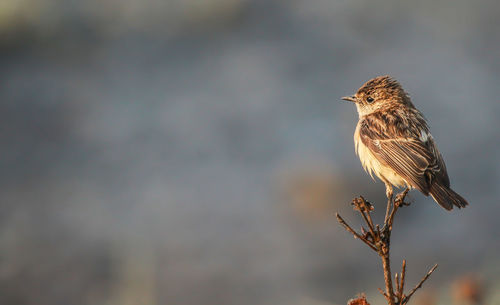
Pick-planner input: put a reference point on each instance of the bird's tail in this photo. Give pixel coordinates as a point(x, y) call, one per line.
point(446, 197)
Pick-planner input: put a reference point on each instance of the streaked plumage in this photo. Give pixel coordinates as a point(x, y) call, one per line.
point(393, 142)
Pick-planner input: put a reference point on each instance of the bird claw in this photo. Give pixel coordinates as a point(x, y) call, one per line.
point(400, 199)
point(405, 204)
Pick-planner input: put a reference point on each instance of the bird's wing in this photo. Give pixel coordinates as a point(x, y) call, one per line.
point(415, 159)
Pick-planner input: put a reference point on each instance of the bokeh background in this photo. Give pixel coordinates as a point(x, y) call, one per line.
point(195, 152)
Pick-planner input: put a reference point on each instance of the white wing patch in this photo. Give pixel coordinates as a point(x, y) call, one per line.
point(424, 136)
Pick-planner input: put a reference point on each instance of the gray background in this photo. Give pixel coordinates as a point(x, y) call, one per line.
point(195, 152)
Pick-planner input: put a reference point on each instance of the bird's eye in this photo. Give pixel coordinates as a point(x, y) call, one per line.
point(369, 99)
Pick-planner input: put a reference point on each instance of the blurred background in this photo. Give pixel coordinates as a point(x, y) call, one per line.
point(195, 152)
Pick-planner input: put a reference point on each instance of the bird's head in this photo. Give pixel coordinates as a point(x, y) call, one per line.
point(378, 93)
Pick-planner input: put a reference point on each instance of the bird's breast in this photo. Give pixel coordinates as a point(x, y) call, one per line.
point(372, 165)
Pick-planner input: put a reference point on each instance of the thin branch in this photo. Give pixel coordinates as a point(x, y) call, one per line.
point(364, 209)
point(370, 225)
point(398, 201)
point(368, 215)
point(402, 285)
point(356, 235)
point(390, 221)
point(379, 240)
point(384, 294)
point(396, 279)
point(407, 298)
point(386, 264)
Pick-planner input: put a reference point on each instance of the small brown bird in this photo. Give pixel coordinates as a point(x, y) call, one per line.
point(393, 142)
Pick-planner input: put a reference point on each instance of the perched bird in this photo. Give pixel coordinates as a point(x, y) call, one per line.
point(393, 142)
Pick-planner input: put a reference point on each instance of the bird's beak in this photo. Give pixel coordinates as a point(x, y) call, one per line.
point(351, 98)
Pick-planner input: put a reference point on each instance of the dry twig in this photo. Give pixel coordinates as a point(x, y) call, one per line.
point(379, 240)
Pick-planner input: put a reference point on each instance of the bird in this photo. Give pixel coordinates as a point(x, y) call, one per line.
point(393, 141)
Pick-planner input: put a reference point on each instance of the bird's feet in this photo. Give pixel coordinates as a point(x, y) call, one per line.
point(400, 198)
